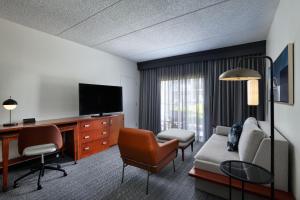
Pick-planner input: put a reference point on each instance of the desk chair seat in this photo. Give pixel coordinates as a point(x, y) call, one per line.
point(39, 149)
point(39, 141)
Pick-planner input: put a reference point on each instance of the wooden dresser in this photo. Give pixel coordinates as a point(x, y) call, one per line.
point(98, 134)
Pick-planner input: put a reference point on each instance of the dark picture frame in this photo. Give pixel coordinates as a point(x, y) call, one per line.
point(283, 84)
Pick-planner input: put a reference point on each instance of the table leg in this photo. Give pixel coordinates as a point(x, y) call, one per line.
point(230, 187)
point(5, 154)
point(75, 143)
point(242, 190)
point(230, 181)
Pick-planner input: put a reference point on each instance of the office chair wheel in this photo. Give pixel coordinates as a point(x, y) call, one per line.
point(39, 187)
point(65, 174)
point(15, 185)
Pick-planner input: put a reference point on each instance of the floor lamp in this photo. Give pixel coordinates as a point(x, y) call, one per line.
point(244, 74)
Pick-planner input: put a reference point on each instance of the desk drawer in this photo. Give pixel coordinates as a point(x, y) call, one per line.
point(88, 136)
point(89, 148)
point(104, 143)
point(93, 147)
point(104, 122)
point(89, 125)
point(104, 132)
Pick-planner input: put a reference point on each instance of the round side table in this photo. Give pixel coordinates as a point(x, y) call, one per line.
point(245, 172)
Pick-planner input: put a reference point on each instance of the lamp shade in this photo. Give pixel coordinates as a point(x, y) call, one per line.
point(10, 104)
point(252, 93)
point(240, 74)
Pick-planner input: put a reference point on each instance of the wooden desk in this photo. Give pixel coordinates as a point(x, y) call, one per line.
point(100, 133)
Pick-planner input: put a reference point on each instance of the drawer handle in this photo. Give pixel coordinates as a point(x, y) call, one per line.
point(86, 125)
point(104, 143)
point(86, 137)
point(104, 133)
point(104, 123)
point(86, 148)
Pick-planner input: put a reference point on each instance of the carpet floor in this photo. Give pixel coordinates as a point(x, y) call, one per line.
point(99, 177)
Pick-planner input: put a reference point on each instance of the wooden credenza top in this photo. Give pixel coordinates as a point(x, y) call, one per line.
point(58, 122)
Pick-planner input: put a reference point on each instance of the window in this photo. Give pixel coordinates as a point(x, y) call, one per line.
point(182, 105)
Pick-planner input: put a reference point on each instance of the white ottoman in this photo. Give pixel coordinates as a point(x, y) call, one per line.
point(185, 138)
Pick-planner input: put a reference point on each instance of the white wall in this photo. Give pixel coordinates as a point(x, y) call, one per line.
point(285, 29)
point(42, 73)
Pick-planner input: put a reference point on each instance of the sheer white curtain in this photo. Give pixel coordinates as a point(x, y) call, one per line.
point(182, 105)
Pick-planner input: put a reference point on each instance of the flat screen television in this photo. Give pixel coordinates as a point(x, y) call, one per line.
point(99, 99)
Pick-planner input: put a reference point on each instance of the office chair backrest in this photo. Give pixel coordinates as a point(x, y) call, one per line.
point(37, 135)
point(138, 145)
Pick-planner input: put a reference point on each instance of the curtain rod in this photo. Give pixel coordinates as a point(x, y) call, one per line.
point(233, 51)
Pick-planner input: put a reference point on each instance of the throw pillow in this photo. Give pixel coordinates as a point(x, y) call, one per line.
point(234, 137)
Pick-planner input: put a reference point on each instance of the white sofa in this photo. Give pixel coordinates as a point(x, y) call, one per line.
point(254, 146)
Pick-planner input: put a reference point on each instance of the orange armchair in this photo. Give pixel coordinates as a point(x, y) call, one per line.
point(139, 148)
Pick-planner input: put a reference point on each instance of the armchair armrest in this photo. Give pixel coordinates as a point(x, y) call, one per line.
point(222, 130)
point(166, 148)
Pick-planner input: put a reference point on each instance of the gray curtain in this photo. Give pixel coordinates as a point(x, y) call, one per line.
point(228, 99)
point(224, 102)
point(150, 97)
point(149, 109)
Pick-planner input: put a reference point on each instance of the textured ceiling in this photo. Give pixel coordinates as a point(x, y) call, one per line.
point(142, 30)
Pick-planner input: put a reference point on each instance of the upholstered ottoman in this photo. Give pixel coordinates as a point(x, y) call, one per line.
point(186, 138)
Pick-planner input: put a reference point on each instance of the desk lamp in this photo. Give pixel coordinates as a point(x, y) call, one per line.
point(10, 104)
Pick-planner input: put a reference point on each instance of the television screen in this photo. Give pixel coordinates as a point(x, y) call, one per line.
point(99, 99)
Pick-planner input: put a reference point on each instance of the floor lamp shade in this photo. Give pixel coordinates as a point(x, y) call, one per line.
point(240, 74)
point(252, 93)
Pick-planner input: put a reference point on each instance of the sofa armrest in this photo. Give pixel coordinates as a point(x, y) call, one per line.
point(166, 148)
point(222, 130)
point(281, 158)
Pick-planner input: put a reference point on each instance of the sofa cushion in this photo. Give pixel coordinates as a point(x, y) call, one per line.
point(222, 130)
point(250, 140)
point(251, 120)
point(215, 150)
